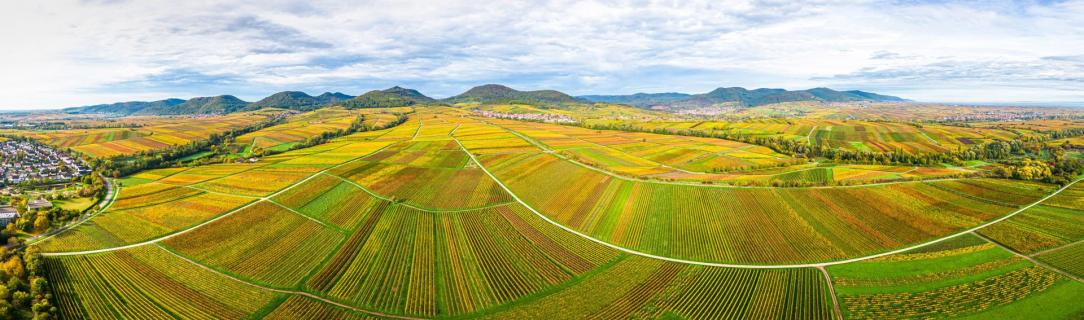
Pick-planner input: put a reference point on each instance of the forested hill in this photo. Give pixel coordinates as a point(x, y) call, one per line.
point(295, 100)
point(298, 100)
point(499, 94)
point(388, 98)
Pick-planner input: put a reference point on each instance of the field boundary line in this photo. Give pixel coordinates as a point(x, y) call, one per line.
point(417, 131)
point(749, 266)
point(832, 292)
point(224, 215)
point(276, 203)
point(701, 185)
point(1033, 260)
point(809, 136)
point(293, 292)
point(1055, 249)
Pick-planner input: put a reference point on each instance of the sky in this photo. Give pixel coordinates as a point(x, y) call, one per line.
point(61, 53)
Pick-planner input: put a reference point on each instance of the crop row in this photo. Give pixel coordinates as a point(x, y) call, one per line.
point(440, 188)
point(963, 276)
point(446, 264)
point(637, 287)
point(254, 182)
point(296, 308)
point(438, 154)
point(1057, 221)
point(330, 199)
point(263, 242)
point(610, 148)
point(147, 283)
point(1069, 259)
point(745, 225)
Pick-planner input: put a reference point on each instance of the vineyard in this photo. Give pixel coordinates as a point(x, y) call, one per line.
point(965, 276)
point(1057, 222)
point(800, 225)
point(450, 215)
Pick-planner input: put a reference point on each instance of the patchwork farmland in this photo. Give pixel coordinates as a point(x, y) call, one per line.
point(857, 135)
point(454, 215)
point(150, 133)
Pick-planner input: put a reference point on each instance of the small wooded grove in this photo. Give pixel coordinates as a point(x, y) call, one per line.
point(24, 292)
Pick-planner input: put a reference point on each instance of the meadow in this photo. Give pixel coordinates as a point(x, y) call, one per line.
point(451, 215)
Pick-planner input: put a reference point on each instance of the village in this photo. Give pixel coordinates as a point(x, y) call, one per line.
point(541, 117)
point(27, 161)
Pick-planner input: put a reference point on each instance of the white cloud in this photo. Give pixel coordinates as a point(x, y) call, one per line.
point(73, 53)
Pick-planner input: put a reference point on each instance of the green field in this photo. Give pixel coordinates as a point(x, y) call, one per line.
point(75, 204)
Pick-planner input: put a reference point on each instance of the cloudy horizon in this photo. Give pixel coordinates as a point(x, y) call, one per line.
point(72, 53)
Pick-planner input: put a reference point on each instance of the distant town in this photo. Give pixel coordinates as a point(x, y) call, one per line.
point(22, 161)
point(543, 117)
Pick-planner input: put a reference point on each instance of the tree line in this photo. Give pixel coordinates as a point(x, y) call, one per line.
point(125, 165)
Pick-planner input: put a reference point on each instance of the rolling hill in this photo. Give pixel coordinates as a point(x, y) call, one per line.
point(201, 105)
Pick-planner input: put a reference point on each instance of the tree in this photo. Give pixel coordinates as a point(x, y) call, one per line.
point(41, 223)
point(20, 299)
point(14, 267)
point(38, 286)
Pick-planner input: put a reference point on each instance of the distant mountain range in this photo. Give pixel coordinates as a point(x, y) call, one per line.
point(484, 94)
point(739, 97)
point(295, 100)
point(130, 107)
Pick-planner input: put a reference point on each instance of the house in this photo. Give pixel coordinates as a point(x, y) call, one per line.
point(7, 214)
